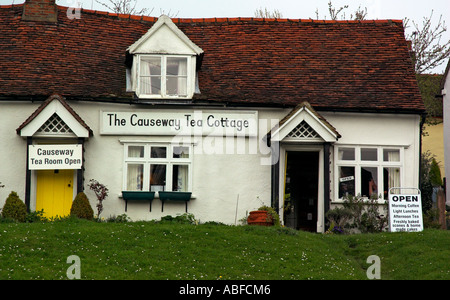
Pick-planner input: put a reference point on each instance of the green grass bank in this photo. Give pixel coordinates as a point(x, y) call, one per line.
point(145, 250)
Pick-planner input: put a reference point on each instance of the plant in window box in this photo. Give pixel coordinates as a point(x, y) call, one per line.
point(264, 216)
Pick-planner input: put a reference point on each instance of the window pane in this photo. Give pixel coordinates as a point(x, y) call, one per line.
point(346, 181)
point(346, 154)
point(391, 155)
point(180, 177)
point(157, 178)
point(151, 66)
point(150, 77)
point(176, 86)
point(369, 178)
point(180, 152)
point(150, 85)
point(369, 154)
point(176, 76)
point(135, 174)
point(135, 151)
point(176, 66)
point(158, 152)
point(391, 178)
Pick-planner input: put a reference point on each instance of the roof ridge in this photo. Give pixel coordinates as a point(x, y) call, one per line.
point(231, 19)
point(11, 5)
point(281, 20)
point(221, 19)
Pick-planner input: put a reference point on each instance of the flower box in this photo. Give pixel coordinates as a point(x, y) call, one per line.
point(174, 196)
point(138, 196)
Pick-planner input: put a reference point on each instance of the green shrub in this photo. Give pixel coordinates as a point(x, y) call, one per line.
point(36, 216)
point(123, 218)
point(435, 174)
point(81, 207)
point(338, 218)
point(14, 208)
point(364, 215)
point(185, 218)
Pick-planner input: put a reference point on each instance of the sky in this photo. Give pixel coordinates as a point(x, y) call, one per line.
point(414, 10)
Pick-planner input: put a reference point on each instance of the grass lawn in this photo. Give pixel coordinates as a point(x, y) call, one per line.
point(144, 250)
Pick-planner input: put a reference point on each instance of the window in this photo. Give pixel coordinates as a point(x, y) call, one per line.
point(367, 171)
point(155, 168)
point(163, 76)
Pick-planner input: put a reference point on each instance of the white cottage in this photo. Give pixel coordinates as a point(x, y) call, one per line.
point(210, 116)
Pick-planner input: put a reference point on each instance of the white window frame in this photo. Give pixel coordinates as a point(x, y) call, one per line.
point(358, 163)
point(147, 161)
point(190, 76)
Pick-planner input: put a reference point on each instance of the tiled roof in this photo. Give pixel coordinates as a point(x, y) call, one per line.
point(331, 64)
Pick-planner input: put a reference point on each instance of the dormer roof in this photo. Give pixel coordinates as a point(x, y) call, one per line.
point(164, 37)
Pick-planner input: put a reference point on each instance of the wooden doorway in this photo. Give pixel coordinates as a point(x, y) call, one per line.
point(54, 192)
point(301, 190)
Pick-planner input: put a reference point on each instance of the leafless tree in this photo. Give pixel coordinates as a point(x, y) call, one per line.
point(128, 7)
point(265, 13)
point(429, 51)
point(124, 7)
point(339, 13)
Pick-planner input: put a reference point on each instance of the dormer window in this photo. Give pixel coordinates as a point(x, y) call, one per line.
point(164, 76)
point(164, 63)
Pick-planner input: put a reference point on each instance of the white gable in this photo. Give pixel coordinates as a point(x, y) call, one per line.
point(304, 125)
point(164, 37)
point(71, 126)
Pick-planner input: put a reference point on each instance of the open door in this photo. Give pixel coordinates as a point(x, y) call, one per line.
point(301, 190)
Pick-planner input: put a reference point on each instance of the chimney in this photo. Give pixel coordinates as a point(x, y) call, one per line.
point(40, 10)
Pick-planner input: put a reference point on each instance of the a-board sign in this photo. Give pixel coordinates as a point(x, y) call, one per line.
point(55, 157)
point(405, 211)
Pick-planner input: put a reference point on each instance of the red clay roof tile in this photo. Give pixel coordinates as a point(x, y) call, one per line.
point(332, 65)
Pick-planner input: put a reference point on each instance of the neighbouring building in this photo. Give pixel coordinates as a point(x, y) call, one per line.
point(210, 116)
point(433, 129)
point(445, 88)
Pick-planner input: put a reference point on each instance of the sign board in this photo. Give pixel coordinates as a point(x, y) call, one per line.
point(405, 212)
point(54, 157)
point(186, 123)
point(348, 178)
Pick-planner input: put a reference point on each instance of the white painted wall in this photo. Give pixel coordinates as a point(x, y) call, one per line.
point(382, 130)
point(218, 179)
point(13, 148)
